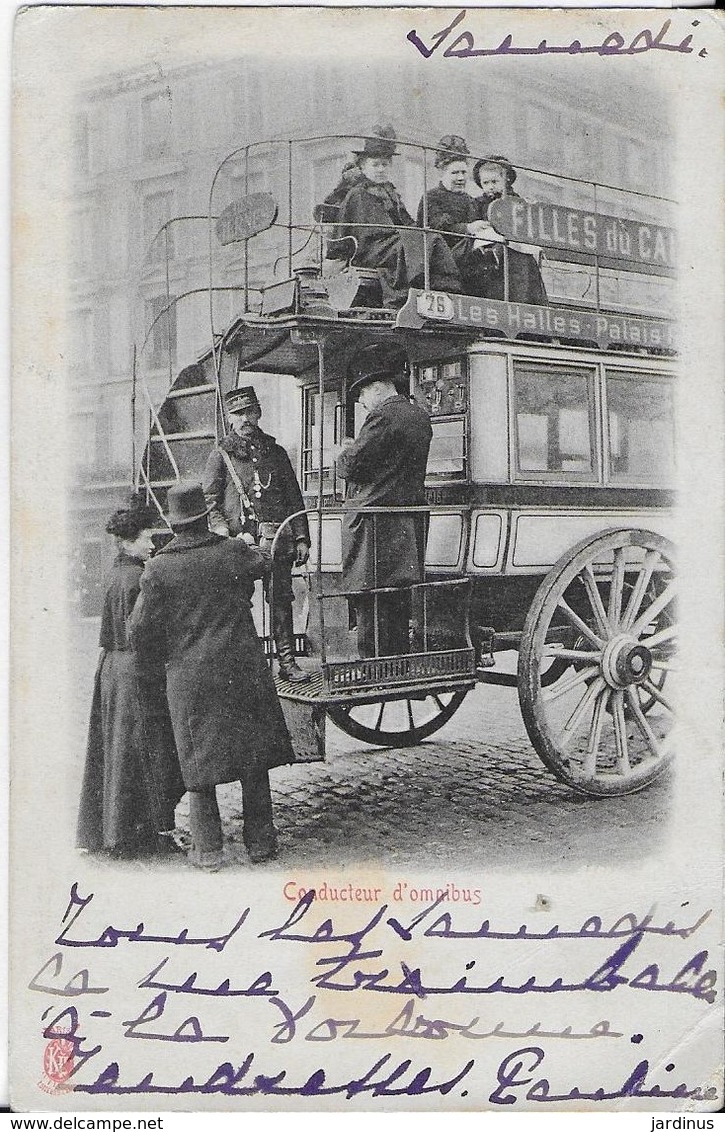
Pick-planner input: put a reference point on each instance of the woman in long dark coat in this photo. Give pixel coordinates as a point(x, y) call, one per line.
point(452, 210)
point(369, 212)
point(194, 616)
point(132, 780)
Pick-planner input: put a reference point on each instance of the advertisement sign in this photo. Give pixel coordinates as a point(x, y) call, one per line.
point(569, 229)
point(246, 217)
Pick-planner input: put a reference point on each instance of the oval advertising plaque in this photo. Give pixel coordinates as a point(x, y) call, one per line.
point(246, 217)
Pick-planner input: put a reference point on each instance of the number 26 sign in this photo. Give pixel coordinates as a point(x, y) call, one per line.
point(435, 304)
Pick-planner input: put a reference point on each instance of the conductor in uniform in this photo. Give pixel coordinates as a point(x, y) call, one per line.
point(384, 467)
point(251, 488)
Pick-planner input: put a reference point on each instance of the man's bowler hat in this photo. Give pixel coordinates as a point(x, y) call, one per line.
point(381, 145)
point(186, 503)
point(240, 399)
point(495, 159)
point(374, 363)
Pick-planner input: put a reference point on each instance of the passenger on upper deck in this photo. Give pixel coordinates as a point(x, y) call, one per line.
point(495, 176)
point(329, 211)
point(368, 213)
point(454, 211)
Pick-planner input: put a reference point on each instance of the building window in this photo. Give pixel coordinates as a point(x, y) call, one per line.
point(83, 144)
point(82, 248)
point(82, 340)
point(156, 124)
point(640, 414)
point(158, 208)
point(161, 329)
point(554, 422)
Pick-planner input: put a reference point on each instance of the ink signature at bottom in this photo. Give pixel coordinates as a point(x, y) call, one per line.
point(518, 1069)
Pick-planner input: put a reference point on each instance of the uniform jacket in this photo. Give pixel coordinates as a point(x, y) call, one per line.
point(385, 467)
point(194, 614)
point(279, 491)
point(131, 781)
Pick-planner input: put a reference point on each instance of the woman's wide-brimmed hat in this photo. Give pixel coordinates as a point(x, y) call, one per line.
point(451, 147)
point(186, 503)
point(495, 159)
point(381, 145)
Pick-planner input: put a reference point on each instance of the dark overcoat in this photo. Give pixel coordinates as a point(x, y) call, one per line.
point(279, 492)
point(385, 467)
point(399, 256)
point(452, 212)
point(194, 613)
point(131, 780)
point(525, 282)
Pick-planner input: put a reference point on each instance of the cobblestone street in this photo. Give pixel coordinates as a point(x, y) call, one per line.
point(474, 795)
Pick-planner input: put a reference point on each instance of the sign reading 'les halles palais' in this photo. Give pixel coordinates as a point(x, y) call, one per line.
point(513, 319)
point(590, 233)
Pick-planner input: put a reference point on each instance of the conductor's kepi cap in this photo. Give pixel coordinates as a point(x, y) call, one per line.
point(378, 362)
point(238, 400)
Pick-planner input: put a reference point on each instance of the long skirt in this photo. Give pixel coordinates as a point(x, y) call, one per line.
point(132, 780)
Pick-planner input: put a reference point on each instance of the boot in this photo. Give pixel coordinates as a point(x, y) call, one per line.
point(285, 642)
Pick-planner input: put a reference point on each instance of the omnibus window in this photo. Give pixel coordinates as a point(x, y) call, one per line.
point(554, 415)
point(315, 417)
point(641, 428)
point(447, 455)
point(442, 389)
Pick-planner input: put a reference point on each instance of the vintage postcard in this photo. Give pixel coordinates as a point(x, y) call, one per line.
point(367, 597)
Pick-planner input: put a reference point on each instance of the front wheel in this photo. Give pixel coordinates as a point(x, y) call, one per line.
point(397, 723)
point(603, 724)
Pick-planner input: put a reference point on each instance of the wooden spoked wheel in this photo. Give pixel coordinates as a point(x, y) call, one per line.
point(397, 723)
point(603, 724)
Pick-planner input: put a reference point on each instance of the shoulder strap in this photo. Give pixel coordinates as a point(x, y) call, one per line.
point(246, 502)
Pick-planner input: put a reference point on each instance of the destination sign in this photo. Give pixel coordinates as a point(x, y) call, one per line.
point(428, 308)
point(569, 229)
point(246, 217)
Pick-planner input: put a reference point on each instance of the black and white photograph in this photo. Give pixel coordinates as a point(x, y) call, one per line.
point(367, 560)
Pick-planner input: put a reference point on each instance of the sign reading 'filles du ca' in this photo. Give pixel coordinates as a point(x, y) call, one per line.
point(588, 233)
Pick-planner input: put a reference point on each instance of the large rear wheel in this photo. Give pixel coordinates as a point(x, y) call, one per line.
point(603, 724)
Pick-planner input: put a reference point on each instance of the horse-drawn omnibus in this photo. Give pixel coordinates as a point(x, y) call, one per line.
point(550, 478)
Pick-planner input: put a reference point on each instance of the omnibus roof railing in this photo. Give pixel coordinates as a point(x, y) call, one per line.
point(427, 151)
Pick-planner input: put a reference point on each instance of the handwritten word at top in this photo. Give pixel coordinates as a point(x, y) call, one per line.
point(464, 46)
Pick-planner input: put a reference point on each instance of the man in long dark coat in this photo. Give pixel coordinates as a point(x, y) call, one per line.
point(369, 212)
point(384, 467)
point(194, 614)
point(251, 488)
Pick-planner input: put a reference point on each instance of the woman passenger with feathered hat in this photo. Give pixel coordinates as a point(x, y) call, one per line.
point(368, 213)
point(452, 210)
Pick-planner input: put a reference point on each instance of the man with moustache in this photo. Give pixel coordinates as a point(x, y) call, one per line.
point(250, 487)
